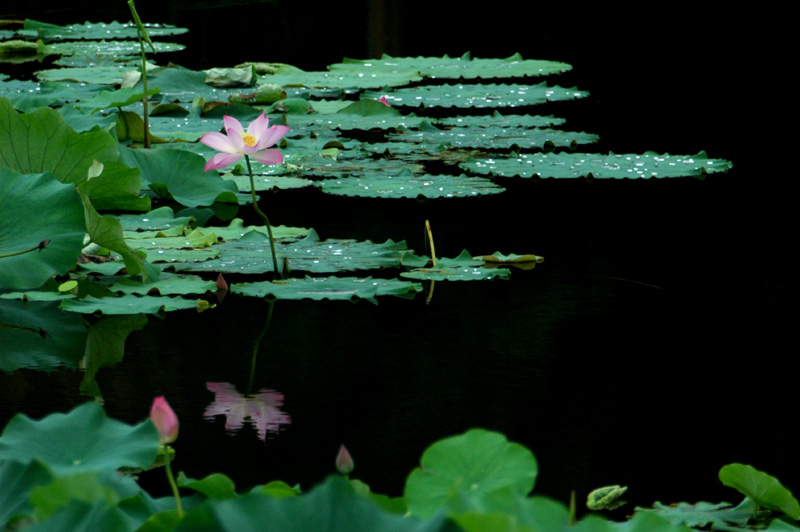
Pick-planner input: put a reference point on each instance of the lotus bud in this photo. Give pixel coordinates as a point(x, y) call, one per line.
point(165, 420)
point(344, 462)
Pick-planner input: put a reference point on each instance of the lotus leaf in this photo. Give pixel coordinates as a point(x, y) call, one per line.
point(41, 141)
point(763, 489)
point(37, 211)
point(17, 481)
point(39, 335)
point(477, 96)
point(105, 53)
point(102, 444)
point(342, 79)
point(494, 138)
point(95, 30)
point(455, 67)
point(80, 121)
point(117, 98)
point(333, 288)
point(263, 183)
point(167, 284)
point(155, 220)
point(30, 95)
point(461, 268)
point(501, 121)
point(478, 463)
point(703, 513)
point(333, 506)
point(250, 255)
point(127, 304)
point(407, 185)
point(182, 174)
point(599, 166)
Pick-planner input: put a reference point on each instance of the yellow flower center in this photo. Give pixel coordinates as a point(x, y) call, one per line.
point(249, 140)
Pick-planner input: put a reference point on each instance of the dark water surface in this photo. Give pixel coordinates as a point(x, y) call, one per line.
point(650, 348)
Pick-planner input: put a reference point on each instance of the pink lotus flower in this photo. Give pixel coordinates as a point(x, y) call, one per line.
point(262, 409)
point(237, 142)
point(165, 420)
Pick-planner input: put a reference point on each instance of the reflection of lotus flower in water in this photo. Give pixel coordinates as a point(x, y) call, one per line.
point(262, 409)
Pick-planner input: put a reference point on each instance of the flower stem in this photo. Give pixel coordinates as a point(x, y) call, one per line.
point(264, 217)
point(172, 481)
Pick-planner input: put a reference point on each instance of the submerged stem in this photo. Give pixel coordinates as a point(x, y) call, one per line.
point(255, 347)
point(264, 217)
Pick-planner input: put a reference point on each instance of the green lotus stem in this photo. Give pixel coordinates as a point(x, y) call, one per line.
point(430, 239)
point(172, 483)
point(264, 217)
point(143, 37)
point(41, 246)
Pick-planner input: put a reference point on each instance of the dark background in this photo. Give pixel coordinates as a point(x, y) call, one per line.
point(671, 385)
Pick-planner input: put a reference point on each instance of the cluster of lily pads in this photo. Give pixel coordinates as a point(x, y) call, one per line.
point(71, 148)
point(78, 472)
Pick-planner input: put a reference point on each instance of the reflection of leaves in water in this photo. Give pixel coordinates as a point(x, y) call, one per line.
point(262, 409)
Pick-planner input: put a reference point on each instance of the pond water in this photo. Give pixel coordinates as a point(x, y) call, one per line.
point(648, 349)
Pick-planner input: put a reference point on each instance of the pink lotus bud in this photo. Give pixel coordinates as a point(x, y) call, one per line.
point(344, 462)
point(384, 102)
point(221, 284)
point(165, 420)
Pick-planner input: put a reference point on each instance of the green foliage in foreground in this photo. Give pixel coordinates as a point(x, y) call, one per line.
point(73, 472)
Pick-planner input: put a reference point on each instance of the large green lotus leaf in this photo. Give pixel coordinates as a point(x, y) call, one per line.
point(100, 75)
point(117, 188)
point(30, 95)
point(95, 30)
point(79, 516)
point(263, 182)
point(416, 153)
point(611, 166)
point(407, 185)
point(500, 121)
point(38, 335)
point(641, 522)
point(17, 481)
point(763, 489)
point(41, 141)
point(80, 121)
point(155, 220)
point(105, 53)
point(127, 304)
point(35, 209)
point(82, 440)
point(495, 138)
point(461, 268)
point(704, 513)
point(86, 487)
point(237, 230)
point(117, 98)
point(506, 510)
point(182, 174)
point(333, 506)
point(167, 284)
point(355, 122)
point(182, 85)
point(455, 67)
point(342, 79)
point(333, 288)
point(106, 232)
point(357, 163)
point(181, 239)
point(214, 486)
point(478, 96)
point(251, 254)
point(479, 462)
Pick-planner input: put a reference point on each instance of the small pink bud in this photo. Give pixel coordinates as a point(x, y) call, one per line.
point(221, 284)
point(384, 102)
point(344, 462)
point(165, 420)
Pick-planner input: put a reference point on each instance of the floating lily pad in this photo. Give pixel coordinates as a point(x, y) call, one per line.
point(478, 96)
point(703, 513)
point(106, 53)
point(455, 67)
point(461, 268)
point(155, 220)
point(612, 166)
point(167, 284)
point(342, 79)
point(127, 304)
point(407, 185)
point(100, 75)
point(493, 138)
point(500, 121)
point(251, 254)
point(263, 183)
point(30, 95)
point(334, 288)
point(359, 164)
point(95, 30)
